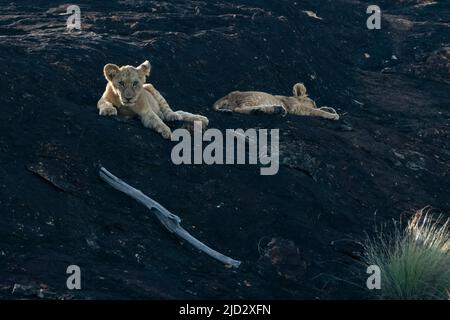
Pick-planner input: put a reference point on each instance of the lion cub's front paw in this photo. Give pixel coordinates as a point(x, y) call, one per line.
point(174, 117)
point(108, 111)
point(336, 117)
point(332, 114)
point(166, 133)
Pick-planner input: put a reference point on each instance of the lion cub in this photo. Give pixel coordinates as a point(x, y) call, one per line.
point(128, 94)
point(261, 102)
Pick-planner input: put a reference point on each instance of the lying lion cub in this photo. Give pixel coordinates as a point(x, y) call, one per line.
point(128, 93)
point(261, 102)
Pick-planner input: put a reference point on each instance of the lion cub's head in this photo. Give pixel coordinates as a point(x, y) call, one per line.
point(299, 92)
point(127, 81)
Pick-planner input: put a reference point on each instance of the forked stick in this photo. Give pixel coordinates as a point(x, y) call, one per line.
point(169, 220)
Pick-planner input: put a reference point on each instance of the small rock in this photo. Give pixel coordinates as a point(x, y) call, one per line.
point(312, 14)
point(284, 257)
point(346, 127)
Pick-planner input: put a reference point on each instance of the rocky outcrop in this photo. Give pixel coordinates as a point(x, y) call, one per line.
point(388, 155)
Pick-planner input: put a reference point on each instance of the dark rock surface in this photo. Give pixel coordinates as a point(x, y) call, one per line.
point(388, 155)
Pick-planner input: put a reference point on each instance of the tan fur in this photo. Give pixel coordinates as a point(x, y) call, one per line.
point(260, 102)
point(127, 93)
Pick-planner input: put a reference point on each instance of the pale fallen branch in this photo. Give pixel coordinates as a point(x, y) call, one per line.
point(168, 219)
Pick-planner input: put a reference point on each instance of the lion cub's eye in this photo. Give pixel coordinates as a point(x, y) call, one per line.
point(135, 83)
point(121, 83)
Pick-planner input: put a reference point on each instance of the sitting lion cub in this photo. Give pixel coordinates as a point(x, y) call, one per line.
point(261, 102)
point(128, 93)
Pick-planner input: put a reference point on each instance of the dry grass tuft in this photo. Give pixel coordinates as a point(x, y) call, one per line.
point(414, 261)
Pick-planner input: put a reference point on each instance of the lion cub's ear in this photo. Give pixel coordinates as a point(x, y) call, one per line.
point(110, 71)
point(144, 68)
point(299, 90)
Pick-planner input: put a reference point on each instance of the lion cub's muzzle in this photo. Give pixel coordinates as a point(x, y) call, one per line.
point(128, 101)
